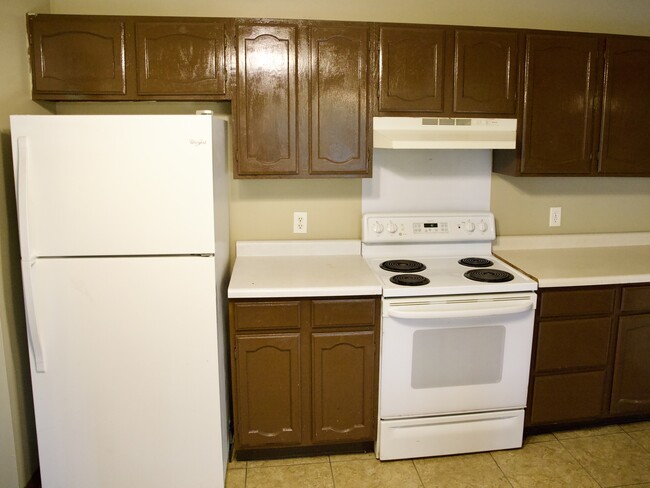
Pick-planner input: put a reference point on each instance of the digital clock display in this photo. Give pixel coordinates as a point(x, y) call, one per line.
point(430, 226)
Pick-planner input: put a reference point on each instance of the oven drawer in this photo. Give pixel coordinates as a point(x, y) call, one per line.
point(440, 436)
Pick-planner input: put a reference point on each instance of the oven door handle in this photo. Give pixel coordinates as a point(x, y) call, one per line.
point(458, 309)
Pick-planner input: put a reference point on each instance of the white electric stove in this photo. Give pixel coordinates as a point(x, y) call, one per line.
point(457, 326)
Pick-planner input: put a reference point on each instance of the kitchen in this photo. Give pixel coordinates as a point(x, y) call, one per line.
point(264, 209)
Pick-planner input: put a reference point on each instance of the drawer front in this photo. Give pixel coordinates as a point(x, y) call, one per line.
point(266, 315)
point(580, 343)
point(355, 312)
point(588, 301)
point(636, 299)
point(566, 397)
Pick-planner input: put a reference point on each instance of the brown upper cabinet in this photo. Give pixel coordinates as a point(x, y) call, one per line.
point(266, 113)
point(302, 101)
point(186, 58)
point(77, 57)
point(304, 91)
point(561, 80)
point(447, 71)
point(586, 107)
point(624, 141)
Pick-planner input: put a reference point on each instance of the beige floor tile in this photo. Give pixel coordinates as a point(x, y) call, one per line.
point(635, 426)
point(573, 434)
point(532, 439)
point(288, 461)
point(642, 437)
point(236, 478)
point(234, 464)
point(613, 460)
point(337, 458)
point(369, 473)
point(470, 470)
point(543, 465)
point(296, 476)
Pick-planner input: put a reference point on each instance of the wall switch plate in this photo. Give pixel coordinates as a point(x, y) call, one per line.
point(300, 222)
point(555, 217)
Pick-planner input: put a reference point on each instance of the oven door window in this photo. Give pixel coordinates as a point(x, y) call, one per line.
point(457, 356)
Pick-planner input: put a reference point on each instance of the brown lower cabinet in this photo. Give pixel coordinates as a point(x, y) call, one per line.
point(591, 355)
point(304, 371)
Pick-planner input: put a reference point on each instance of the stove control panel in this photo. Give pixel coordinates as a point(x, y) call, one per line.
point(447, 227)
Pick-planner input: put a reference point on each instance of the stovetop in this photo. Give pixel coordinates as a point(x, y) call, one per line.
point(437, 242)
point(447, 277)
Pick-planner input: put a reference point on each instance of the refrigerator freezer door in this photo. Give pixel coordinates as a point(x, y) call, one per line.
point(131, 392)
point(114, 185)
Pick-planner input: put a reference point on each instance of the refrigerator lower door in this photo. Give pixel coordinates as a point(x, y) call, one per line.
point(131, 393)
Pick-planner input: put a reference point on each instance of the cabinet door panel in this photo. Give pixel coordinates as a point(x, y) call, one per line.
point(268, 389)
point(560, 88)
point(184, 58)
point(412, 67)
point(631, 387)
point(339, 100)
point(485, 72)
point(78, 55)
point(566, 397)
point(625, 145)
point(575, 343)
point(266, 108)
point(343, 386)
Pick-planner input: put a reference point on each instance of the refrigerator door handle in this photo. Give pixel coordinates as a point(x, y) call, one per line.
point(32, 325)
point(23, 227)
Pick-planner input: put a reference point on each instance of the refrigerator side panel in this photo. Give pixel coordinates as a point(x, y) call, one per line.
point(131, 393)
point(114, 185)
point(222, 270)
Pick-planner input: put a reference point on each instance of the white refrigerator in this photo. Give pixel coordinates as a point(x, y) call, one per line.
point(123, 224)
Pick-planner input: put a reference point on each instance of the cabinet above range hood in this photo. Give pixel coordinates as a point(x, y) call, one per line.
point(443, 133)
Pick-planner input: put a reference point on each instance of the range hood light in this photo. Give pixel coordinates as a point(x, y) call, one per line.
point(443, 133)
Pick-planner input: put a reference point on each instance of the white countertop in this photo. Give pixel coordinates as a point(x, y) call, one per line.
point(276, 269)
point(579, 260)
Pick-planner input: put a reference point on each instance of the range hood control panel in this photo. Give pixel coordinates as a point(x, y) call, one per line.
point(392, 228)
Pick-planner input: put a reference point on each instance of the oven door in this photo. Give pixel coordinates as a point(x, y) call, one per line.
point(446, 355)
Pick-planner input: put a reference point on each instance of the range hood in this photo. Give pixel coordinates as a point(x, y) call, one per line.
point(443, 133)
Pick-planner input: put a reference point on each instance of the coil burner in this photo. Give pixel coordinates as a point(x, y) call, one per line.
point(489, 275)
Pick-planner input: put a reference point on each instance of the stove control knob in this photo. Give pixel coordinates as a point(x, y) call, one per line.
point(482, 226)
point(377, 228)
point(470, 226)
point(392, 228)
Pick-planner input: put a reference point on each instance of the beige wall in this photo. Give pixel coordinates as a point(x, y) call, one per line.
point(626, 16)
point(18, 457)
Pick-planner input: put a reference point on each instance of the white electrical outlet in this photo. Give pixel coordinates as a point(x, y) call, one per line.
point(300, 222)
point(555, 217)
